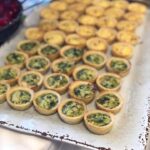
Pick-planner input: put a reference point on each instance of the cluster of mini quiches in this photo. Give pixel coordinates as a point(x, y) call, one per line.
point(72, 40)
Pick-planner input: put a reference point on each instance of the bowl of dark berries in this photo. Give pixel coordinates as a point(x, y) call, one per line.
point(10, 18)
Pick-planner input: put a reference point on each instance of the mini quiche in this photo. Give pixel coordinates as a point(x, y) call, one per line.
point(68, 26)
point(128, 37)
point(78, 7)
point(63, 66)
point(58, 6)
point(82, 90)
point(38, 63)
point(54, 37)
point(115, 13)
point(135, 17)
point(4, 87)
point(46, 102)
point(121, 4)
point(95, 11)
point(99, 122)
point(49, 14)
point(49, 51)
point(16, 58)
point(75, 40)
point(71, 111)
point(28, 47)
point(107, 21)
point(9, 74)
point(107, 34)
point(97, 44)
point(119, 66)
point(69, 15)
point(34, 33)
point(85, 73)
point(121, 49)
point(137, 8)
point(127, 25)
point(72, 53)
point(102, 3)
point(31, 79)
point(86, 31)
point(20, 98)
point(87, 20)
point(48, 25)
point(58, 82)
point(108, 82)
point(110, 102)
point(94, 59)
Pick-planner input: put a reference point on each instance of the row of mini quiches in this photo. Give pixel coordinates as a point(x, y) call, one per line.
point(63, 11)
point(70, 111)
point(30, 48)
point(104, 35)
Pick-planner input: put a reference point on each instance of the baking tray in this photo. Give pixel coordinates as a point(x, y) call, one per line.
point(132, 124)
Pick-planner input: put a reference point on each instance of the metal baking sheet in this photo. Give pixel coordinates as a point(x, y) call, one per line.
point(131, 128)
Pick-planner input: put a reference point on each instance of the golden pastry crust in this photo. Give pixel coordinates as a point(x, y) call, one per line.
point(85, 73)
point(108, 82)
point(121, 49)
point(69, 1)
point(58, 5)
point(87, 20)
point(115, 13)
point(99, 63)
point(37, 77)
point(119, 66)
point(34, 33)
point(127, 37)
point(71, 119)
point(44, 111)
point(4, 87)
point(78, 7)
point(48, 25)
point(69, 15)
point(107, 21)
point(95, 11)
point(99, 129)
point(86, 31)
point(121, 4)
point(60, 89)
point(137, 8)
point(107, 34)
point(19, 106)
point(86, 2)
point(11, 76)
point(97, 44)
point(102, 3)
point(49, 51)
point(135, 17)
point(43, 67)
point(127, 25)
point(68, 26)
point(72, 53)
point(48, 14)
point(55, 37)
point(75, 40)
point(29, 47)
point(102, 105)
point(60, 66)
point(82, 86)
point(13, 59)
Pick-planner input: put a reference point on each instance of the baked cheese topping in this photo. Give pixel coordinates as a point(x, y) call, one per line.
point(47, 101)
point(73, 109)
point(20, 97)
